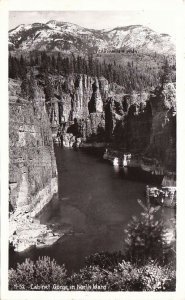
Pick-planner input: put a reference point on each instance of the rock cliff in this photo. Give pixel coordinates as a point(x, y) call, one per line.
point(163, 132)
point(81, 102)
point(32, 160)
point(143, 124)
point(32, 166)
point(147, 130)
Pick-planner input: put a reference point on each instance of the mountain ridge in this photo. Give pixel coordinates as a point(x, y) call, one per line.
point(68, 37)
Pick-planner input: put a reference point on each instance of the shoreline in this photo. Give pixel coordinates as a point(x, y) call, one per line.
point(26, 231)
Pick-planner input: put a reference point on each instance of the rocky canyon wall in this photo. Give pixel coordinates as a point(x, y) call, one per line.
point(32, 165)
point(81, 102)
point(142, 123)
point(162, 143)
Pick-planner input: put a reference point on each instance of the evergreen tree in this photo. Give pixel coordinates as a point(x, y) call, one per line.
point(145, 238)
point(25, 88)
point(44, 65)
point(53, 64)
point(13, 67)
point(32, 61)
point(32, 86)
point(22, 67)
point(59, 63)
point(166, 73)
point(49, 92)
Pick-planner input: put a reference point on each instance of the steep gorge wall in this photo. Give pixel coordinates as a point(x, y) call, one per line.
point(78, 95)
point(142, 124)
point(148, 131)
point(162, 146)
point(93, 109)
point(32, 166)
point(81, 102)
point(132, 127)
point(163, 132)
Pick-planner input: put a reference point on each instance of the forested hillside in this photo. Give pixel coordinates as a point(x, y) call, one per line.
point(132, 72)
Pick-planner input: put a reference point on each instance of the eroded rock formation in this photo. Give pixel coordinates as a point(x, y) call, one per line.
point(162, 144)
point(32, 160)
point(79, 103)
point(147, 130)
point(143, 124)
point(32, 166)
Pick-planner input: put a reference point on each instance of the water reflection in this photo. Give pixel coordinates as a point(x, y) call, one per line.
point(125, 171)
point(116, 169)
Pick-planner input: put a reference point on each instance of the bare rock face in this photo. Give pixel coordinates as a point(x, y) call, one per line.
point(78, 105)
point(164, 197)
point(53, 111)
point(94, 125)
point(162, 144)
point(96, 103)
point(32, 162)
point(128, 121)
point(142, 123)
point(69, 140)
point(77, 95)
point(32, 167)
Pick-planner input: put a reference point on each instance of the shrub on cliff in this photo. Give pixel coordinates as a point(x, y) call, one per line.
point(29, 274)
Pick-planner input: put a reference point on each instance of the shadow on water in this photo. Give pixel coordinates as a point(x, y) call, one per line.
point(94, 205)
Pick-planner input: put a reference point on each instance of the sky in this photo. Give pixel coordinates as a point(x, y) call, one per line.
point(160, 21)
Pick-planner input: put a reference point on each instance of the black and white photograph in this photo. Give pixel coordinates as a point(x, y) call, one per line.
point(92, 151)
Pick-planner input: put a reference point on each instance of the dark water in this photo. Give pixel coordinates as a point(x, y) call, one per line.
point(95, 204)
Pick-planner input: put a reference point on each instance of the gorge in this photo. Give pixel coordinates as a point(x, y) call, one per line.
point(63, 108)
point(84, 109)
point(143, 124)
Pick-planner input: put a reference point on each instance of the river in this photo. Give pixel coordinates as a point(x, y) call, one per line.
point(95, 203)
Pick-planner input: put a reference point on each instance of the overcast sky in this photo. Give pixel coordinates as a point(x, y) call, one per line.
point(160, 21)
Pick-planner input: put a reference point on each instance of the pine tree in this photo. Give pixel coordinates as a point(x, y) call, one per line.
point(36, 61)
point(59, 63)
point(53, 64)
point(25, 88)
point(145, 237)
point(166, 73)
point(22, 67)
point(13, 68)
point(32, 86)
point(32, 61)
point(10, 66)
point(44, 65)
point(49, 92)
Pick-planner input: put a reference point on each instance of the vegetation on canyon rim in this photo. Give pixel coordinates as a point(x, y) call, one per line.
point(132, 75)
point(146, 264)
